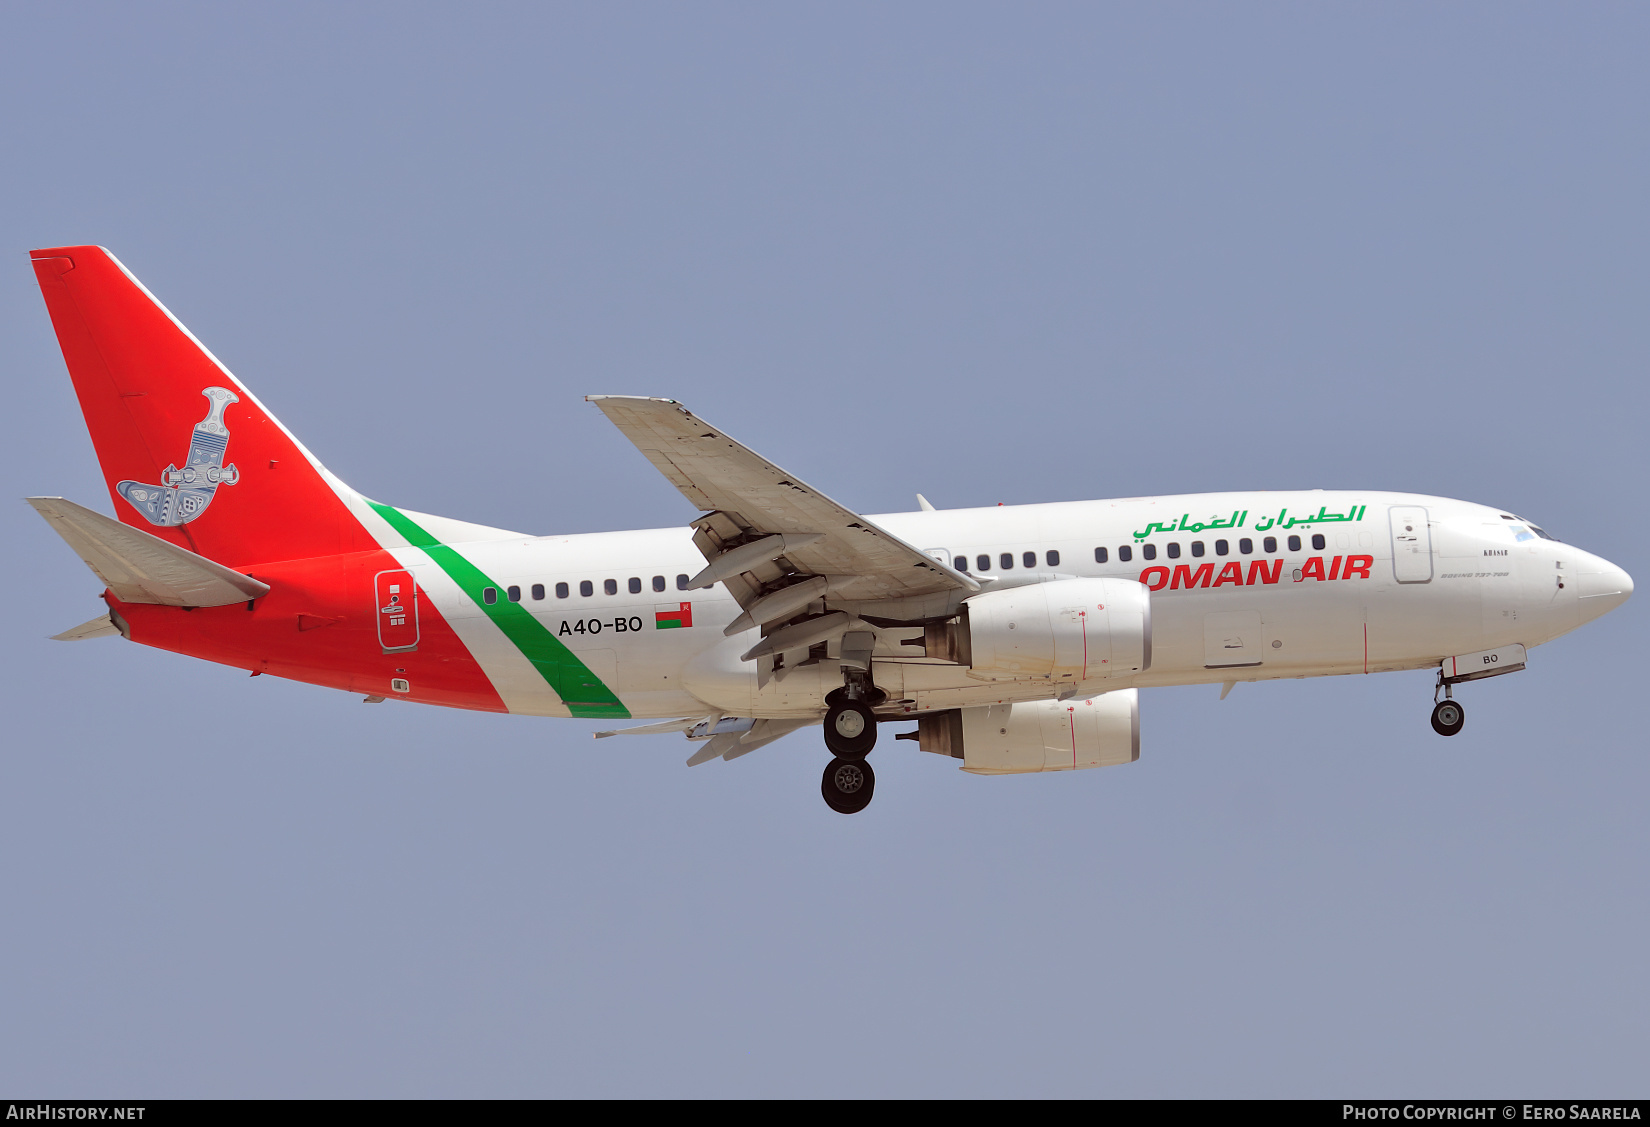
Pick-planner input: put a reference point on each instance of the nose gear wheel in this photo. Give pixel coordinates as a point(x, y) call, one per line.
point(1448, 717)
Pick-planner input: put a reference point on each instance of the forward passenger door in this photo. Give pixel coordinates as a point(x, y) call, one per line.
point(1411, 544)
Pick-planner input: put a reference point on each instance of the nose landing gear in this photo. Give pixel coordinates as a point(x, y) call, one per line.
point(1448, 717)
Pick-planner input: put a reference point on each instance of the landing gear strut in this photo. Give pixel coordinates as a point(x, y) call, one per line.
point(1448, 717)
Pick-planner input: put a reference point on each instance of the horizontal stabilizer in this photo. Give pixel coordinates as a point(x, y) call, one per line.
point(141, 568)
point(100, 627)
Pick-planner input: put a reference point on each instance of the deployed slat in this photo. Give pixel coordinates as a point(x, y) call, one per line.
point(140, 568)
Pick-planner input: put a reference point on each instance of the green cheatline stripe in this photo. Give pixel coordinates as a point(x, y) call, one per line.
point(580, 689)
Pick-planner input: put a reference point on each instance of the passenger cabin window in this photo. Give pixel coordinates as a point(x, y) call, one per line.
point(611, 586)
point(635, 585)
point(960, 563)
point(1197, 547)
point(1006, 561)
point(983, 562)
point(1270, 544)
point(1148, 551)
point(1029, 559)
point(1174, 550)
point(1100, 555)
point(658, 583)
point(489, 595)
point(1222, 547)
point(1246, 546)
point(514, 593)
point(1317, 541)
point(1294, 543)
point(586, 588)
point(1052, 557)
point(538, 591)
point(681, 582)
point(1124, 553)
point(561, 591)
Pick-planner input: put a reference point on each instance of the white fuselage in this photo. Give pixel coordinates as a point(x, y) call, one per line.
point(1372, 598)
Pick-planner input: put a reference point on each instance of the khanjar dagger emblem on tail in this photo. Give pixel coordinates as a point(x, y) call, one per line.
point(184, 494)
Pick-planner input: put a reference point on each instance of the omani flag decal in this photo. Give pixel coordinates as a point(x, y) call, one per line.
point(672, 617)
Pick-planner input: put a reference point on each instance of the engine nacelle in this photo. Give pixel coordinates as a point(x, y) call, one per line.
point(1069, 630)
point(1044, 735)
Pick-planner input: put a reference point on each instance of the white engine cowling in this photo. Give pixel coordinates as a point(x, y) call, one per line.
point(1044, 735)
point(1068, 630)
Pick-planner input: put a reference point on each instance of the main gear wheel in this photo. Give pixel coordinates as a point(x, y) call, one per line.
point(848, 785)
point(850, 729)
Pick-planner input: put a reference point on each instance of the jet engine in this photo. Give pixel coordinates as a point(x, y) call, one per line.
point(1070, 630)
point(1044, 735)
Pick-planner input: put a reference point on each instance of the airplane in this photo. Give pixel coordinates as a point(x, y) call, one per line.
point(1015, 638)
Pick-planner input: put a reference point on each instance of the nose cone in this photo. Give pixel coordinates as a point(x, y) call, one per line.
point(1602, 586)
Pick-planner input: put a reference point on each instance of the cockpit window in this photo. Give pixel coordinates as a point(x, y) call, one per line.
point(1545, 535)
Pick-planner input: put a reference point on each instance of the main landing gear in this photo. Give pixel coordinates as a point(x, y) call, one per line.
point(848, 785)
point(1448, 717)
point(850, 729)
point(850, 734)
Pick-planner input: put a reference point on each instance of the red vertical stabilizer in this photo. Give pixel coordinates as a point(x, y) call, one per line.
point(187, 452)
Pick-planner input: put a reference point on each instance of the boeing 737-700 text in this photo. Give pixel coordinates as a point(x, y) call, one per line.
point(1016, 638)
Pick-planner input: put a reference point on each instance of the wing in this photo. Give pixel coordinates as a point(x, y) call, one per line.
point(766, 528)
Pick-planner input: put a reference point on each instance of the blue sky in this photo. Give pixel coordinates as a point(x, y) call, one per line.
point(988, 252)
